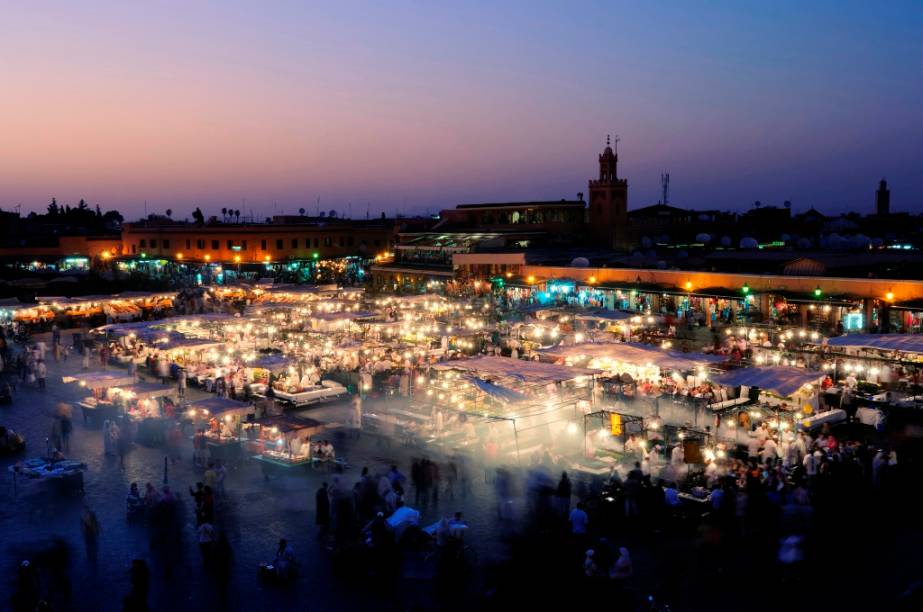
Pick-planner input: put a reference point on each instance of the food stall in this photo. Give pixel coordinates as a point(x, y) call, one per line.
point(611, 439)
point(223, 420)
point(784, 394)
point(523, 411)
point(150, 405)
point(304, 395)
point(281, 443)
point(99, 407)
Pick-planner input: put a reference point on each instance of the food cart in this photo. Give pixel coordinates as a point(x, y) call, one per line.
point(150, 405)
point(281, 443)
point(222, 420)
point(783, 394)
point(99, 407)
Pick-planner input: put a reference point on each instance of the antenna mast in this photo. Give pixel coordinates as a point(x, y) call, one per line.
point(665, 185)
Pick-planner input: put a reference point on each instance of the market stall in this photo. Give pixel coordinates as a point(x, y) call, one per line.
point(220, 420)
point(781, 395)
point(282, 443)
point(151, 405)
point(524, 411)
point(99, 406)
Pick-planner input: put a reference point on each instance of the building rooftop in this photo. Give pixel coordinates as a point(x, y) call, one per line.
point(576, 203)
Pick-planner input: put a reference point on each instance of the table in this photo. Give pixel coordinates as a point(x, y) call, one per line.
point(270, 464)
point(68, 473)
point(311, 396)
point(98, 412)
point(837, 415)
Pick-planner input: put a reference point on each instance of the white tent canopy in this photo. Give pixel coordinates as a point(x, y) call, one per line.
point(635, 354)
point(100, 380)
point(910, 343)
point(782, 380)
point(526, 371)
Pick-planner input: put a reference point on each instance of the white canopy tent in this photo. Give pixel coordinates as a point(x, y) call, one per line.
point(781, 380)
point(526, 371)
point(631, 353)
point(100, 380)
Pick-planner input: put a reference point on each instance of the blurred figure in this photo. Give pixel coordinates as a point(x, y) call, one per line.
point(322, 511)
point(89, 526)
point(623, 568)
point(136, 601)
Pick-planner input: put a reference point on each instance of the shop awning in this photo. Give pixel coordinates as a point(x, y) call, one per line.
point(909, 343)
point(781, 380)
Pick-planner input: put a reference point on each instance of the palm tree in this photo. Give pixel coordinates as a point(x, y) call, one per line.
point(169, 212)
point(301, 211)
point(237, 214)
point(224, 214)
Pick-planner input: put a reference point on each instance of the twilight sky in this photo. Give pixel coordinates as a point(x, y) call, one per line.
point(415, 106)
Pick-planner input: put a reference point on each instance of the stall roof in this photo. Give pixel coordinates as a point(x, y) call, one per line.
point(100, 380)
point(783, 380)
point(341, 316)
point(149, 389)
point(287, 423)
point(526, 371)
point(500, 392)
point(217, 405)
point(634, 353)
point(910, 343)
point(198, 344)
point(273, 362)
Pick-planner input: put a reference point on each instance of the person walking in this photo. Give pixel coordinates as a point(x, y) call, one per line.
point(122, 444)
point(67, 426)
point(56, 438)
point(206, 536)
point(89, 526)
point(41, 372)
point(578, 525)
point(322, 511)
point(562, 495)
point(221, 474)
point(136, 601)
point(181, 383)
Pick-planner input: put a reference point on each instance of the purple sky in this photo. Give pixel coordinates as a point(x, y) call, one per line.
point(416, 106)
